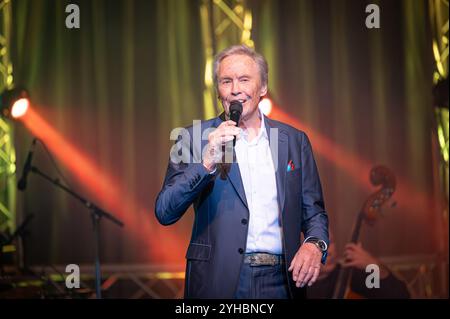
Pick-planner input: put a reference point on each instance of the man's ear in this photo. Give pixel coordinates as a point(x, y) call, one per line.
point(263, 91)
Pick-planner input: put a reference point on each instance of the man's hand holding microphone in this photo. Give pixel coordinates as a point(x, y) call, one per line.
point(225, 132)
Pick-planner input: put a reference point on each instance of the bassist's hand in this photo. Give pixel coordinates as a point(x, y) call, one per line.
point(356, 256)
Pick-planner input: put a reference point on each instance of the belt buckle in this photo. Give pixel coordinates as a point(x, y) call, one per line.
point(254, 260)
point(274, 261)
point(263, 260)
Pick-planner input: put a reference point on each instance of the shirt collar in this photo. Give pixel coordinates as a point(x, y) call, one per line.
point(262, 130)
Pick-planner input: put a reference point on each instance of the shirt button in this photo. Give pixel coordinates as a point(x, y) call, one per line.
point(241, 251)
point(244, 221)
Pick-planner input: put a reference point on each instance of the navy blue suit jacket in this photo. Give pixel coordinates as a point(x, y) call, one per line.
point(219, 234)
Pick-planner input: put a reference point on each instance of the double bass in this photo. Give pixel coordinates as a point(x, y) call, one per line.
point(379, 175)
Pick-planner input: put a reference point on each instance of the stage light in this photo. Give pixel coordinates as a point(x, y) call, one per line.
point(14, 102)
point(19, 108)
point(265, 105)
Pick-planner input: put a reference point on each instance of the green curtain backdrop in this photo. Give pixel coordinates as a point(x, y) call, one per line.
point(367, 90)
point(116, 87)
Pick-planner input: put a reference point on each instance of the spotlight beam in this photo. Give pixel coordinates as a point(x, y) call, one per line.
point(107, 192)
point(356, 167)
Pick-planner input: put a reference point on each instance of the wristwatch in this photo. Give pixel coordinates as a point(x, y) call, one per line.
point(321, 244)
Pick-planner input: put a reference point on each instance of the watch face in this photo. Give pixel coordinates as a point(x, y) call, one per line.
point(322, 245)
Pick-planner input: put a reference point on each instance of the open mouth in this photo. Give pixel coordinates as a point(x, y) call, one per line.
point(242, 101)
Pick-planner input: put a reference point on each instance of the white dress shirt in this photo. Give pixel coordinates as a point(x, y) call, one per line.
point(258, 177)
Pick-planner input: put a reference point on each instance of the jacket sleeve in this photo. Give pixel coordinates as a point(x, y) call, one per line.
point(183, 183)
point(315, 219)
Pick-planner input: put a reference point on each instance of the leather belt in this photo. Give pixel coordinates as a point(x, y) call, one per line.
point(263, 259)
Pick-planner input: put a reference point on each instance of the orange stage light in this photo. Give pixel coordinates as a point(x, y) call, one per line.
point(20, 108)
point(107, 192)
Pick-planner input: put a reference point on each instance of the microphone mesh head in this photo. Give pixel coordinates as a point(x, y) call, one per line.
point(236, 106)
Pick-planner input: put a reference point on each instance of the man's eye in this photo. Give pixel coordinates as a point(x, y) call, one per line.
point(226, 81)
point(244, 80)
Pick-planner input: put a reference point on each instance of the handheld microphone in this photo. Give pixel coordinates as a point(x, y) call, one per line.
point(22, 184)
point(235, 114)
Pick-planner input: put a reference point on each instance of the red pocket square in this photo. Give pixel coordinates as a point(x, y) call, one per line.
point(290, 166)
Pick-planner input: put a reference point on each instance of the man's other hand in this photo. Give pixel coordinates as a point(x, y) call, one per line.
point(306, 264)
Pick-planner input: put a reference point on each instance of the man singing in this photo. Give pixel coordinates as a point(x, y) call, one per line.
point(250, 210)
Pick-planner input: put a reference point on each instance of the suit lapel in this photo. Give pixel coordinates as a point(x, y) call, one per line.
point(232, 170)
point(235, 178)
point(279, 157)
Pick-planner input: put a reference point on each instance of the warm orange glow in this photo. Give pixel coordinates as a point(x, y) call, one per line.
point(358, 168)
point(84, 169)
point(20, 107)
point(108, 193)
point(323, 146)
point(265, 105)
point(164, 245)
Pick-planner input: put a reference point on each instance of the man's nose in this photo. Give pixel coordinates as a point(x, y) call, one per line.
point(235, 89)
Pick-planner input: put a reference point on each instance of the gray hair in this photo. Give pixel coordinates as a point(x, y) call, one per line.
point(244, 50)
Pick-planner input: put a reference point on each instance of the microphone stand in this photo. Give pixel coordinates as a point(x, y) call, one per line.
point(96, 213)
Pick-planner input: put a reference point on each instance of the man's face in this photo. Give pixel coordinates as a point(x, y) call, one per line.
point(239, 79)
